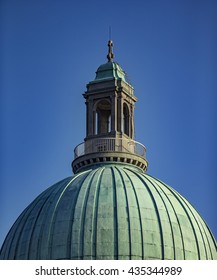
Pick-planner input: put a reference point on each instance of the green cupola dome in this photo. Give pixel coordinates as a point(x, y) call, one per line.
point(110, 208)
point(110, 70)
point(110, 211)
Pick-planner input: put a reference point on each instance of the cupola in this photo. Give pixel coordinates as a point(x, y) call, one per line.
point(110, 129)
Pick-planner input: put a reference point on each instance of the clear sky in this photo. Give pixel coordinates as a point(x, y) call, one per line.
point(51, 49)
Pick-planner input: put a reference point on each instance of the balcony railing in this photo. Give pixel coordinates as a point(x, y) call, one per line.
point(97, 145)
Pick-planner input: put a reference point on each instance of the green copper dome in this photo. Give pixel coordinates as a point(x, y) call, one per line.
point(110, 70)
point(109, 211)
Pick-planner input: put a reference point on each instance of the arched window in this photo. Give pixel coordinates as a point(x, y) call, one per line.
point(126, 120)
point(103, 117)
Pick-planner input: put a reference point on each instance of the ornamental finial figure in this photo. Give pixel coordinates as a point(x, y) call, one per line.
point(110, 55)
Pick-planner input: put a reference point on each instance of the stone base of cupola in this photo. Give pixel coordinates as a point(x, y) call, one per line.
point(87, 160)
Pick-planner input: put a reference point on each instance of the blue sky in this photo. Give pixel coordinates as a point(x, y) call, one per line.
point(50, 50)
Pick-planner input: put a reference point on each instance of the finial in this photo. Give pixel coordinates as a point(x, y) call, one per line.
point(110, 55)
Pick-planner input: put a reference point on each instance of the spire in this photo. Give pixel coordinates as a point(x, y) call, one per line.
point(110, 55)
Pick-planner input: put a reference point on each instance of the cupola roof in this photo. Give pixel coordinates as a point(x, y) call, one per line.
point(110, 70)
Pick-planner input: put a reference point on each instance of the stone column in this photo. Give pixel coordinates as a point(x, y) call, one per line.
point(119, 112)
point(114, 112)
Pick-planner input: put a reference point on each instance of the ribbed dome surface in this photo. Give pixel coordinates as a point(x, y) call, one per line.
point(110, 70)
point(111, 211)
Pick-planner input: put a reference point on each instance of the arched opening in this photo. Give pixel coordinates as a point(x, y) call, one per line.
point(126, 120)
point(103, 117)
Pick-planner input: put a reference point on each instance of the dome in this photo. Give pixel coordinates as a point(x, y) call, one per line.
point(109, 70)
point(109, 211)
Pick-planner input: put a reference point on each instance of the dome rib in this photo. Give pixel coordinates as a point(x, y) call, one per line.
point(95, 213)
point(181, 202)
point(199, 225)
point(205, 228)
point(85, 174)
point(190, 220)
point(149, 178)
point(53, 217)
point(202, 236)
point(115, 214)
point(127, 209)
point(72, 199)
point(44, 209)
point(196, 221)
point(139, 213)
point(137, 246)
point(23, 220)
point(168, 215)
point(14, 234)
point(156, 210)
point(83, 211)
point(208, 241)
point(44, 233)
point(31, 239)
point(185, 206)
point(22, 223)
point(44, 217)
point(84, 223)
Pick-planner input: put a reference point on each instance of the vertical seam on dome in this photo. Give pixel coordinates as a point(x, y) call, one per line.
point(128, 212)
point(159, 220)
point(212, 237)
point(50, 240)
point(33, 228)
point(116, 249)
point(72, 216)
point(54, 215)
point(83, 215)
point(69, 239)
point(156, 209)
point(184, 205)
point(182, 202)
point(183, 244)
point(180, 228)
point(199, 224)
point(139, 212)
point(202, 225)
point(45, 216)
point(51, 190)
point(199, 230)
point(174, 248)
point(95, 215)
point(6, 249)
point(23, 215)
